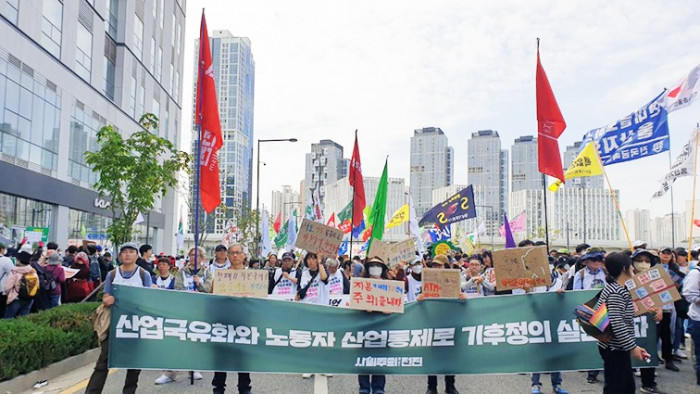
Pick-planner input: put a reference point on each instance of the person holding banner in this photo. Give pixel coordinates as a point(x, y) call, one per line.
point(284, 280)
point(477, 285)
point(312, 286)
point(189, 280)
point(163, 279)
point(617, 363)
point(220, 261)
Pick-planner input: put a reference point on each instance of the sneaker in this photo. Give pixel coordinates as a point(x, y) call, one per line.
point(559, 390)
point(307, 375)
point(679, 353)
point(651, 390)
point(536, 389)
point(163, 379)
point(197, 376)
point(41, 383)
point(594, 380)
point(451, 390)
point(637, 373)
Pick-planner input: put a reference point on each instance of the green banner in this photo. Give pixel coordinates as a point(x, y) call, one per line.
point(162, 329)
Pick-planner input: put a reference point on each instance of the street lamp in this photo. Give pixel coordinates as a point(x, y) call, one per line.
point(257, 193)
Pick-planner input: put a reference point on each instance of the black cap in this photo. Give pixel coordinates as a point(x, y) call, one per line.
point(288, 255)
point(665, 249)
point(220, 248)
point(581, 247)
point(681, 252)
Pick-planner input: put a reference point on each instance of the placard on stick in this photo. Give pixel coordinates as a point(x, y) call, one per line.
point(518, 267)
point(652, 289)
point(441, 283)
point(319, 238)
point(377, 295)
point(241, 283)
point(393, 254)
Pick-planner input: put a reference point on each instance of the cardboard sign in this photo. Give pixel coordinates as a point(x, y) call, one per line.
point(70, 272)
point(319, 238)
point(241, 283)
point(441, 283)
point(652, 289)
point(393, 254)
point(376, 295)
point(518, 267)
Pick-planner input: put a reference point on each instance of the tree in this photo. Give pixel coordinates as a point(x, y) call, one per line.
point(134, 172)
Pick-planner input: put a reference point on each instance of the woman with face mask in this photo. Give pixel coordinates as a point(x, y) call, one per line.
point(413, 282)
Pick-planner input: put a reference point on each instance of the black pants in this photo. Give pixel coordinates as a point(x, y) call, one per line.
point(617, 369)
point(648, 377)
point(219, 382)
point(449, 381)
point(99, 375)
point(3, 304)
point(664, 332)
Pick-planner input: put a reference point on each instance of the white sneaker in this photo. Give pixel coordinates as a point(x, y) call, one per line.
point(163, 379)
point(679, 353)
point(307, 375)
point(197, 376)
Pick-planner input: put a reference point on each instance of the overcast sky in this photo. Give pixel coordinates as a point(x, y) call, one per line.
point(326, 68)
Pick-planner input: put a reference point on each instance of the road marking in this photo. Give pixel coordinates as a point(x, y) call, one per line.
point(83, 384)
point(320, 384)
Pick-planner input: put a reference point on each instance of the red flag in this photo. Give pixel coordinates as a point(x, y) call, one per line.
point(278, 223)
point(331, 221)
point(696, 222)
point(207, 118)
point(550, 125)
point(358, 185)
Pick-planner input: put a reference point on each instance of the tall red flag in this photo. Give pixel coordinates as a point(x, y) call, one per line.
point(331, 221)
point(550, 125)
point(207, 118)
point(358, 186)
point(278, 222)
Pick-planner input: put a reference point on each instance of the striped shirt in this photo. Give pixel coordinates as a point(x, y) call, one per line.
point(621, 315)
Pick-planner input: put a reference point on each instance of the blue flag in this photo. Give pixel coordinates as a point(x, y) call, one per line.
point(456, 208)
point(359, 229)
point(343, 248)
point(438, 234)
point(640, 134)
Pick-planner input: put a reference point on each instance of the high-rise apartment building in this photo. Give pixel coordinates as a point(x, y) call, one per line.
point(234, 76)
point(324, 165)
point(488, 172)
point(524, 170)
point(285, 202)
point(669, 230)
point(432, 166)
point(67, 68)
point(638, 222)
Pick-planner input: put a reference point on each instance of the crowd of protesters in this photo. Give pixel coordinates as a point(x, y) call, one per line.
point(36, 279)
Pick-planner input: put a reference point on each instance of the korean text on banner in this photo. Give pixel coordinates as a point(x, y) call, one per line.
point(518, 267)
point(393, 254)
point(319, 238)
point(441, 283)
point(242, 283)
point(652, 289)
point(376, 295)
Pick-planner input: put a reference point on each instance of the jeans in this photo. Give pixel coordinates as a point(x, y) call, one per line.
point(617, 365)
point(55, 300)
point(99, 375)
point(678, 334)
point(449, 382)
point(372, 384)
point(219, 382)
point(18, 308)
point(694, 330)
point(556, 379)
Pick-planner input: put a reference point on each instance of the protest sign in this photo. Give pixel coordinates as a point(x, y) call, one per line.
point(70, 272)
point(441, 283)
point(337, 300)
point(518, 267)
point(439, 336)
point(241, 283)
point(377, 295)
point(652, 289)
point(393, 254)
point(319, 238)
point(36, 234)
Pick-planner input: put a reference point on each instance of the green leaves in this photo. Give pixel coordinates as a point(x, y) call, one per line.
point(134, 172)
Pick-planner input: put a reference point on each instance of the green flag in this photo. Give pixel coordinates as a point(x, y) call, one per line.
point(281, 238)
point(377, 215)
point(346, 213)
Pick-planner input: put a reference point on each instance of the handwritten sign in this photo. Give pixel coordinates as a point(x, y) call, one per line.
point(241, 283)
point(393, 254)
point(652, 289)
point(319, 238)
point(376, 295)
point(441, 283)
point(519, 267)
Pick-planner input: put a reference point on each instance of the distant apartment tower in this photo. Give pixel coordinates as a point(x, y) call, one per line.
point(638, 222)
point(525, 174)
point(324, 165)
point(669, 230)
point(595, 182)
point(488, 172)
point(285, 202)
point(234, 75)
point(432, 166)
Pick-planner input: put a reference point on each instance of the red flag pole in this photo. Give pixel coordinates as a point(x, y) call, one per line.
point(197, 160)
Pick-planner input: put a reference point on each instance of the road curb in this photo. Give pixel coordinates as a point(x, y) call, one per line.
point(26, 382)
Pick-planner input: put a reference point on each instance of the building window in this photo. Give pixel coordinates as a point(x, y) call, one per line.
point(138, 37)
point(112, 21)
point(51, 23)
point(83, 54)
point(10, 9)
point(84, 225)
point(162, 13)
point(110, 66)
point(178, 36)
point(84, 126)
point(152, 63)
point(132, 97)
point(142, 99)
point(21, 212)
point(159, 64)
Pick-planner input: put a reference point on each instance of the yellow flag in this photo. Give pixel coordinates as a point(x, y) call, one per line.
point(470, 247)
point(400, 216)
point(584, 165)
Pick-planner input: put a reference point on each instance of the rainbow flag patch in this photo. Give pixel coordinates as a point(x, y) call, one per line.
point(600, 318)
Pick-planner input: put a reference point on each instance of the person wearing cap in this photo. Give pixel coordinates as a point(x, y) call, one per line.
point(128, 274)
point(639, 244)
point(338, 283)
point(643, 260)
point(6, 266)
point(163, 279)
point(284, 280)
point(665, 327)
point(220, 261)
point(413, 281)
point(55, 269)
point(691, 292)
point(681, 268)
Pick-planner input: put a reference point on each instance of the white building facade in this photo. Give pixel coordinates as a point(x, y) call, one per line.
point(284, 201)
point(488, 172)
point(432, 166)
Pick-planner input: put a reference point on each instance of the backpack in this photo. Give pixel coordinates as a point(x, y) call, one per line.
point(29, 285)
point(594, 321)
point(46, 280)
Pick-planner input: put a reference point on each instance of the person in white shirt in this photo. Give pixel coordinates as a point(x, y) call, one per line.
point(284, 280)
point(338, 283)
point(691, 292)
point(476, 282)
point(414, 278)
point(219, 262)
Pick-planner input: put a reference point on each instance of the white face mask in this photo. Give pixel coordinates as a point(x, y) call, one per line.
point(642, 266)
point(375, 271)
point(417, 269)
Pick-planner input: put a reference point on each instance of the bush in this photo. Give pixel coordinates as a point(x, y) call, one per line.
point(32, 342)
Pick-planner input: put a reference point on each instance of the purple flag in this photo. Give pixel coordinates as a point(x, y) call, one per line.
point(510, 242)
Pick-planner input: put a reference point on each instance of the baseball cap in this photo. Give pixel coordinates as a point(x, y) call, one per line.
point(416, 260)
point(639, 252)
point(288, 255)
point(129, 245)
point(681, 252)
point(220, 248)
point(665, 249)
point(638, 243)
point(26, 247)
